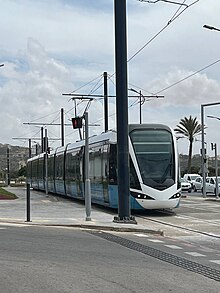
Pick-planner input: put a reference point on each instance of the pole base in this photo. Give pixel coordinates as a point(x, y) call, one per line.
point(125, 220)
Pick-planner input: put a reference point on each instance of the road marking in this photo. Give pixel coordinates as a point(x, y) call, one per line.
point(173, 246)
point(215, 261)
point(193, 253)
point(156, 240)
point(141, 235)
point(14, 225)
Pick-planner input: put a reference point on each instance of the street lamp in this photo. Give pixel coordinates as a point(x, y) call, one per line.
point(209, 27)
point(203, 150)
point(214, 147)
point(140, 101)
point(2, 65)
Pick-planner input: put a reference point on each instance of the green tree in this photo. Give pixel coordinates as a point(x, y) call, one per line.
point(22, 171)
point(189, 128)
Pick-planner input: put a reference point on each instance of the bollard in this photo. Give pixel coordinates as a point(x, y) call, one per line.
point(28, 203)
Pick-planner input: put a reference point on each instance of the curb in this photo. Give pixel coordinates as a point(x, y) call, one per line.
point(86, 226)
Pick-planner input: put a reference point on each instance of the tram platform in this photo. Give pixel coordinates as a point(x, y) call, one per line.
point(53, 210)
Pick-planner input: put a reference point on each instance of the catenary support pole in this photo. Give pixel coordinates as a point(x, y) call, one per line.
point(87, 180)
point(42, 139)
point(8, 166)
point(140, 97)
point(216, 172)
point(46, 163)
point(203, 153)
point(62, 127)
point(122, 113)
point(105, 75)
point(203, 150)
point(29, 147)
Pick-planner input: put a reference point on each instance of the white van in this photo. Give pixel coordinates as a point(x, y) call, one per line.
point(191, 178)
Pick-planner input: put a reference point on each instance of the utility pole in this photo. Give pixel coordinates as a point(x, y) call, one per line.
point(87, 180)
point(106, 100)
point(46, 163)
point(42, 139)
point(203, 150)
point(62, 127)
point(124, 215)
point(8, 168)
point(214, 147)
point(29, 147)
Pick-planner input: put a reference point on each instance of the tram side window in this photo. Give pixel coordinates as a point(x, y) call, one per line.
point(41, 171)
point(105, 163)
point(34, 169)
point(50, 166)
point(72, 166)
point(95, 158)
point(59, 167)
point(113, 164)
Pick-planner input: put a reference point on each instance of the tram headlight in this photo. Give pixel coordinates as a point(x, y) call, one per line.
point(176, 195)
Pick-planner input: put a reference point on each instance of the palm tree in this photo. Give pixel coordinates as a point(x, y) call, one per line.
point(189, 127)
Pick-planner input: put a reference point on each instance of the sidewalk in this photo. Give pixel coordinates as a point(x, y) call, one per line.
point(58, 211)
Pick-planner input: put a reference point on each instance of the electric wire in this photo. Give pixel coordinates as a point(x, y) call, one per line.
point(175, 16)
point(168, 87)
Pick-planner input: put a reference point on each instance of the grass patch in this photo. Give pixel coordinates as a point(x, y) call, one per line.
point(4, 194)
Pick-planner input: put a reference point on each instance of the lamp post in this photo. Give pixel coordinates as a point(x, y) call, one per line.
point(203, 150)
point(214, 147)
point(2, 65)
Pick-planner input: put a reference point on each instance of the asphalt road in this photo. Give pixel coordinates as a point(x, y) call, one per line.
point(52, 260)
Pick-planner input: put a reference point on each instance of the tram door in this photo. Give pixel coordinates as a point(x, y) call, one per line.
point(98, 173)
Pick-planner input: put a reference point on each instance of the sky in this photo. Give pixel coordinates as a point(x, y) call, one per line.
point(52, 47)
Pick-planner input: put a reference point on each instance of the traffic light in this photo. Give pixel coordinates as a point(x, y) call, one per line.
point(77, 122)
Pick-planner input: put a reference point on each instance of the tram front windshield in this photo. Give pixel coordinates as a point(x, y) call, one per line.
point(155, 156)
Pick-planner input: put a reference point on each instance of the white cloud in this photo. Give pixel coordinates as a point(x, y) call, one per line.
point(54, 47)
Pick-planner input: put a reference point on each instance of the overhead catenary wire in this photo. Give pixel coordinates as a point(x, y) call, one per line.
point(175, 16)
point(99, 77)
point(185, 78)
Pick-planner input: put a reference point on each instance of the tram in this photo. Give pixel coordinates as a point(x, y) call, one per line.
point(154, 168)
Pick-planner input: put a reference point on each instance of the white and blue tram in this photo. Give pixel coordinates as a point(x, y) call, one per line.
point(154, 168)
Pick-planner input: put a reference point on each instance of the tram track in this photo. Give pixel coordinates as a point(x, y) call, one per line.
point(180, 227)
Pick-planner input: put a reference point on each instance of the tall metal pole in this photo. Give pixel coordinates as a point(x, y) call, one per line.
point(42, 139)
point(140, 107)
point(28, 203)
point(29, 147)
point(122, 113)
point(62, 127)
point(216, 172)
point(87, 180)
point(203, 153)
point(46, 163)
point(8, 167)
point(105, 100)
point(203, 150)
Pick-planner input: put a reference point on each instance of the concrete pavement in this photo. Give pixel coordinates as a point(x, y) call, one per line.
point(58, 211)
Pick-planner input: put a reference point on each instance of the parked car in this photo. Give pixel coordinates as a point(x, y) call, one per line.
point(185, 185)
point(197, 184)
point(191, 178)
point(211, 185)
